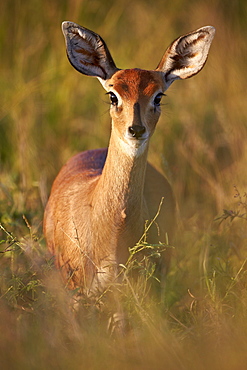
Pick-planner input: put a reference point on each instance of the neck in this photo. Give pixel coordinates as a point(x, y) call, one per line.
point(118, 200)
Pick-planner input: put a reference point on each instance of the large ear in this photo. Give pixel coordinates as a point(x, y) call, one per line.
point(186, 55)
point(87, 51)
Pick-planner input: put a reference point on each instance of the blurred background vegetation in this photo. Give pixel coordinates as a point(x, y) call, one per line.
point(48, 112)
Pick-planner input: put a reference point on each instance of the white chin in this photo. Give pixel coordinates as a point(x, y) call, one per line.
point(133, 147)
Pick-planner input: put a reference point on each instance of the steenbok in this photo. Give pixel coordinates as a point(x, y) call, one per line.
point(101, 198)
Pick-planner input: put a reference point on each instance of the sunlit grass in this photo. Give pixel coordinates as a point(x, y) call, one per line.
point(48, 112)
point(203, 308)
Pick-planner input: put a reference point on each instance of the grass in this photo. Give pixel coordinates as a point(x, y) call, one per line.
point(48, 113)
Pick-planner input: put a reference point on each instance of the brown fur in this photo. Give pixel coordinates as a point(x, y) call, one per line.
point(101, 199)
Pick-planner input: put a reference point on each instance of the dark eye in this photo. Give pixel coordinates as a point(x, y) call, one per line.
point(157, 99)
point(113, 98)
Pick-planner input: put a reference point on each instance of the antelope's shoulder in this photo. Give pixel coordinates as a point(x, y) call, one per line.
point(88, 164)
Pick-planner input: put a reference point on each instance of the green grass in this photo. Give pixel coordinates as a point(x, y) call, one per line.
point(48, 112)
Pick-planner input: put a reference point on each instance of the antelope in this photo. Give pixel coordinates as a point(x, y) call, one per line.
point(101, 198)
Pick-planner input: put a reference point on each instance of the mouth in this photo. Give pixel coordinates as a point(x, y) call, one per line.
point(136, 142)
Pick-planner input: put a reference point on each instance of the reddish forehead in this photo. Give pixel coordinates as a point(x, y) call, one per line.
point(135, 82)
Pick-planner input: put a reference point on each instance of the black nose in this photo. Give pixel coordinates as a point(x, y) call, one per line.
point(137, 131)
